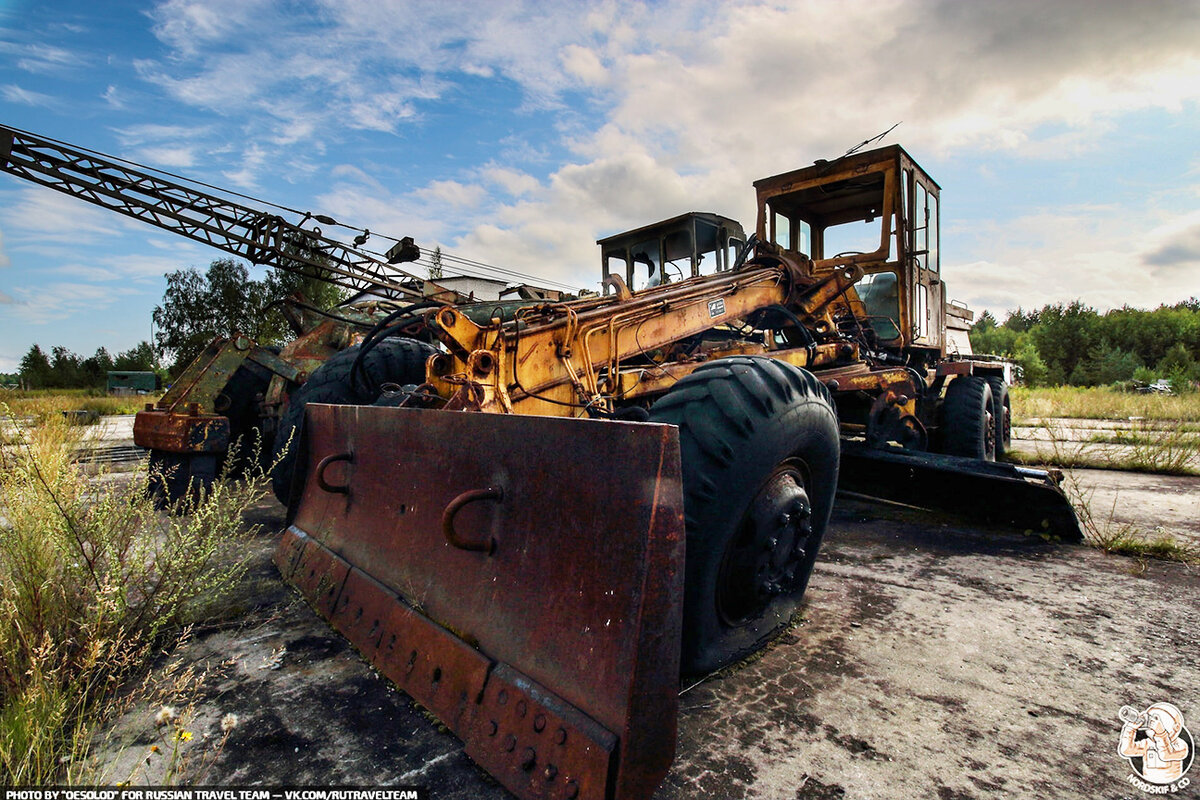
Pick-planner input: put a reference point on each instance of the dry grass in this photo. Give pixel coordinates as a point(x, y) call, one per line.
point(1100, 526)
point(1102, 403)
point(1144, 447)
point(1103, 531)
point(94, 582)
point(40, 405)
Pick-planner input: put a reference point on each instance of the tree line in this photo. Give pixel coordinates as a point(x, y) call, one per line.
point(1073, 344)
point(63, 369)
point(196, 308)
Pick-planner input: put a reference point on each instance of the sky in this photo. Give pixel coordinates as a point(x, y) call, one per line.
point(1065, 136)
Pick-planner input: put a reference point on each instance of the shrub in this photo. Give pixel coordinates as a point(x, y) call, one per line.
point(92, 579)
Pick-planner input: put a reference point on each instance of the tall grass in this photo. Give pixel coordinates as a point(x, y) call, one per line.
point(43, 404)
point(93, 579)
point(1103, 403)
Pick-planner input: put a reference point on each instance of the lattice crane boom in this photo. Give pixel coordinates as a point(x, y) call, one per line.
point(253, 234)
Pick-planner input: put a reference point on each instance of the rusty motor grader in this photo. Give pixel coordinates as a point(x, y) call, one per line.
point(537, 526)
point(532, 516)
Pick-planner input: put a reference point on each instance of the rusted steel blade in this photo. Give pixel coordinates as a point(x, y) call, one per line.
point(994, 492)
point(519, 576)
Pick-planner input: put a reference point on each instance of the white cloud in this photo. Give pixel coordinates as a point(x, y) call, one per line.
point(51, 302)
point(12, 93)
point(174, 157)
point(1106, 256)
point(453, 193)
point(699, 113)
point(137, 135)
point(246, 177)
point(1173, 249)
point(512, 181)
point(4, 259)
point(584, 64)
point(41, 58)
point(44, 216)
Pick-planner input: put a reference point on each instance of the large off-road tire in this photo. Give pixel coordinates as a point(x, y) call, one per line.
point(968, 428)
point(759, 448)
point(399, 361)
point(1001, 414)
point(239, 402)
point(176, 477)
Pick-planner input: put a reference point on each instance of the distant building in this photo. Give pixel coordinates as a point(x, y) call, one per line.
point(126, 382)
point(476, 288)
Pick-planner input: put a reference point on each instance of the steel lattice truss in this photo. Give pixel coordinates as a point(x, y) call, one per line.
point(255, 235)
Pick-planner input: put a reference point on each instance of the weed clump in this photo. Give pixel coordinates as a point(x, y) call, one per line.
point(94, 580)
point(1101, 529)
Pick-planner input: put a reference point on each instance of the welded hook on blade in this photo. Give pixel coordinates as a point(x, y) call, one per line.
point(485, 544)
point(324, 463)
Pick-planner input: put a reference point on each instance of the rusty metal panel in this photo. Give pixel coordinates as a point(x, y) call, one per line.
point(160, 429)
point(526, 570)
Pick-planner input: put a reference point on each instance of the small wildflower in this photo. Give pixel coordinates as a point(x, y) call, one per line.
point(153, 748)
point(229, 722)
point(184, 736)
point(165, 716)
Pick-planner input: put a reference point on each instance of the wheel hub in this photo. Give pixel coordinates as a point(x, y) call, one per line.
point(989, 435)
point(764, 559)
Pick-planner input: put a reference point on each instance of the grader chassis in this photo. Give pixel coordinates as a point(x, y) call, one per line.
point(538, 580)
point(575, 566)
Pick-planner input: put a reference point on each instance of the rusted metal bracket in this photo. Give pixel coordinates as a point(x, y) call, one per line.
point(555, 657)
point(324, 464)
point(485, 545)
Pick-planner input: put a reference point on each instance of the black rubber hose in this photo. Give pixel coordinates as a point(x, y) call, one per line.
point(396, 320)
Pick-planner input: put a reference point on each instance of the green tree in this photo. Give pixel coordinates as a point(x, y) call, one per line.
point(1020, 321)
point(997, 341)
point(35, 368)
point(65, 370)
point(223, 301)
point(95, 369)
point(139, 358)
point(1179, 367)
point(1064, 335)
point(1105, 365)
point(1033, 369)
point(435, 264)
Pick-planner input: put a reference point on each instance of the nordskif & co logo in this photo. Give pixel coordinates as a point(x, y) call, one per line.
point(1158, 747)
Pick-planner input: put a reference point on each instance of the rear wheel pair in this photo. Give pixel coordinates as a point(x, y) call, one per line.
point(759, 448)
point(977, 418)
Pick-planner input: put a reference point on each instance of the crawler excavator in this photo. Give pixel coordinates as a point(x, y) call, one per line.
point(532, 516)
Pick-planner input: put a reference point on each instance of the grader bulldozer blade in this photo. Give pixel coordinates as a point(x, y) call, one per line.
point(1029, 499)
point(521, 577)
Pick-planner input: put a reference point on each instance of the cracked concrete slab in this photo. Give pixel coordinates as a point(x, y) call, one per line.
point(932, 659)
